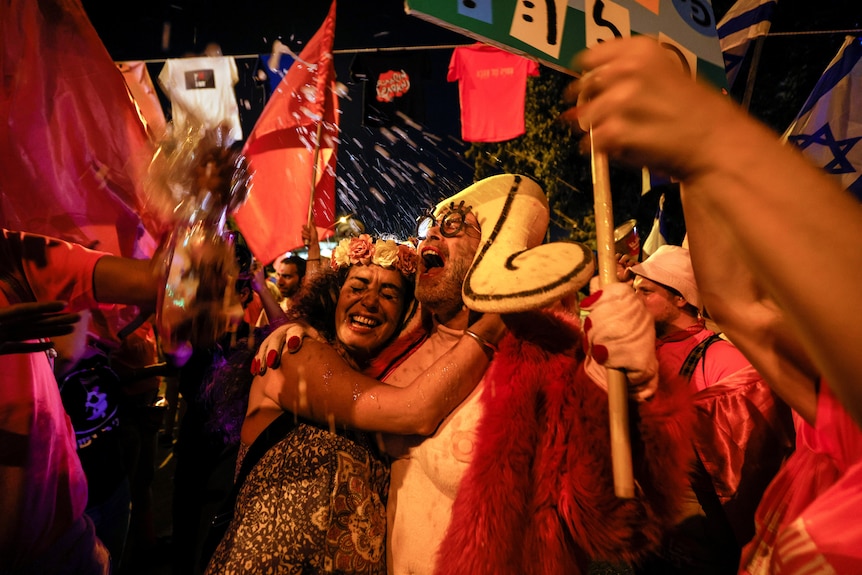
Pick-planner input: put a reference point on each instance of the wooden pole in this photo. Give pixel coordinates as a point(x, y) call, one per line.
point(752, 72)
point(618, 408)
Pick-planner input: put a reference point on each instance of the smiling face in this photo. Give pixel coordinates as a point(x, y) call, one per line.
point(369, 310)
point(443, 265)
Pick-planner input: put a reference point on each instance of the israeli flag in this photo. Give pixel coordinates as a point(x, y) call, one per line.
point(745, 21)
point(828, 129)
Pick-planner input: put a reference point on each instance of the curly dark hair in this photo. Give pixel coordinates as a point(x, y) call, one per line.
point(227, 385)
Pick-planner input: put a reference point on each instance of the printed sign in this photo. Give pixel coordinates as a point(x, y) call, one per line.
point(605, 21)
point(554, 31)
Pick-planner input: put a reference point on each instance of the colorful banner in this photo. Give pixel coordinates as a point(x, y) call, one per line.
point(554, 31)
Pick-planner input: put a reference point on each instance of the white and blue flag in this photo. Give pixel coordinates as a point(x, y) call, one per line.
point(745, 21)
point(658, 233)
point(828, 129)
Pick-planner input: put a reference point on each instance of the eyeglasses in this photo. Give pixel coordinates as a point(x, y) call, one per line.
point(450, 225)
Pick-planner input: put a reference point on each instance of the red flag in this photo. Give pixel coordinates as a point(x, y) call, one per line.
point(73, 150)
point(281, 150)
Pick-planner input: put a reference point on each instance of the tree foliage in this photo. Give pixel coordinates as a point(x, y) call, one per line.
point(555, 155)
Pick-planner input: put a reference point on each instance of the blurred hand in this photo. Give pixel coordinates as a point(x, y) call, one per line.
point(29, 321)
point(645, 109)
point(309, 235)
point(258, 276)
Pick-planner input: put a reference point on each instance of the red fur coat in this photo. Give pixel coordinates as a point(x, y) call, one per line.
point(538, 497)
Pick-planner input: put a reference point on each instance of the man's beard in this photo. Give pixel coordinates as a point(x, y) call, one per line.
point(442, 293)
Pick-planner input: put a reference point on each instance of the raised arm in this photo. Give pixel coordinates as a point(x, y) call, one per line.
point(744, 311)
point(797, 230)
point(309, 236)
point(274, 314)
point(315, 382)
point(126, 281)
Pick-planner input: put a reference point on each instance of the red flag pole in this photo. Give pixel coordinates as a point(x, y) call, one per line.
point(314, 170)
point(618, 409)
point(279, 149)
point(323, 84)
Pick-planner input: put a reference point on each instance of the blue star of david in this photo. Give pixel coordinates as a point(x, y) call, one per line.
point(731, 61)
point(839, 148)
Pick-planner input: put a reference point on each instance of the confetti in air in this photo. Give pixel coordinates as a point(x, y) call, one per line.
point(387, 176)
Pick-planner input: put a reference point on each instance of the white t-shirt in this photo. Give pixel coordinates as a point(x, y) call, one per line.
point(203, 88)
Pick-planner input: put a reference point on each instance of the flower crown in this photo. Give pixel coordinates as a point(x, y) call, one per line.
point(364, 250)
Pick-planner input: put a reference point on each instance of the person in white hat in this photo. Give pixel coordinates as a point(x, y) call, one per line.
point(774, 239)
point(666, 285)
point(720, 519)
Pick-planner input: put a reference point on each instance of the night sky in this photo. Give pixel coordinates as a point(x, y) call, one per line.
point(386, 177)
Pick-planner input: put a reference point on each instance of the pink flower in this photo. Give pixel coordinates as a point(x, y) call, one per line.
point(406, 262)
point(361, 249)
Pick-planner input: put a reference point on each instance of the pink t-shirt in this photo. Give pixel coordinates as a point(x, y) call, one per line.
point(492, 89)
point(37, 436)
point(721, 360)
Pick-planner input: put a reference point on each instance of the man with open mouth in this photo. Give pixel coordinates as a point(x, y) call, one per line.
point(456, 493)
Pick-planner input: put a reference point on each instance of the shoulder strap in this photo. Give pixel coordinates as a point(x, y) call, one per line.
point(695, 355)
point(219, 522)
point(273, 433)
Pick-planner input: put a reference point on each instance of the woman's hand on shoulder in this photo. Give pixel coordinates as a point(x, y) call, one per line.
point(289, 336)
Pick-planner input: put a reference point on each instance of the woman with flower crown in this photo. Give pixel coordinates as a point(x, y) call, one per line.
point(316, 500)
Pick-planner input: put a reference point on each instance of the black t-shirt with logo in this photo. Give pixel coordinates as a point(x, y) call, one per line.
point(91, 395)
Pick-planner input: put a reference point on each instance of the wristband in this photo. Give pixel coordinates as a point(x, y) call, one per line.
point(487, 345)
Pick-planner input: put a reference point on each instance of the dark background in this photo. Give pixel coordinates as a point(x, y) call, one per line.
point(804, 37)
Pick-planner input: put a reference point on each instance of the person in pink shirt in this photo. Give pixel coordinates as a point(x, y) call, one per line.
point(732, 402)
point(43, 528)
point(665, 283)
point(772, 238)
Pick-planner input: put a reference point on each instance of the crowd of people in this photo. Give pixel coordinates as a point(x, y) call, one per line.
point(443, 407)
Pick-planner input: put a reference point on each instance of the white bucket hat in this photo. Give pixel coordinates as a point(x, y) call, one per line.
point(671, 266)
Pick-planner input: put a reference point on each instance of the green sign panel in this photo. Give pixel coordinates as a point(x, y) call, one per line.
point(553, 31)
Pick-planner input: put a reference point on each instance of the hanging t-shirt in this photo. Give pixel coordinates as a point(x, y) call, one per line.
point(393, 83)
point(274, 77)
point(202, 88)
point(492, 89)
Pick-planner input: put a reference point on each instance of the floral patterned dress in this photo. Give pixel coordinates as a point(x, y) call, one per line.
point(314, 503)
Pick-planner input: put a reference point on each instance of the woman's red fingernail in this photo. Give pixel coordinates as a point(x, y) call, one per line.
point(591, 299)
point(271, 358)
point(293, 343)
point(255, 366)
point(588, 325)
point(600, 354)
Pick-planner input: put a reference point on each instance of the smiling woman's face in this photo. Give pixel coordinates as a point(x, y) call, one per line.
point(369, 309)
